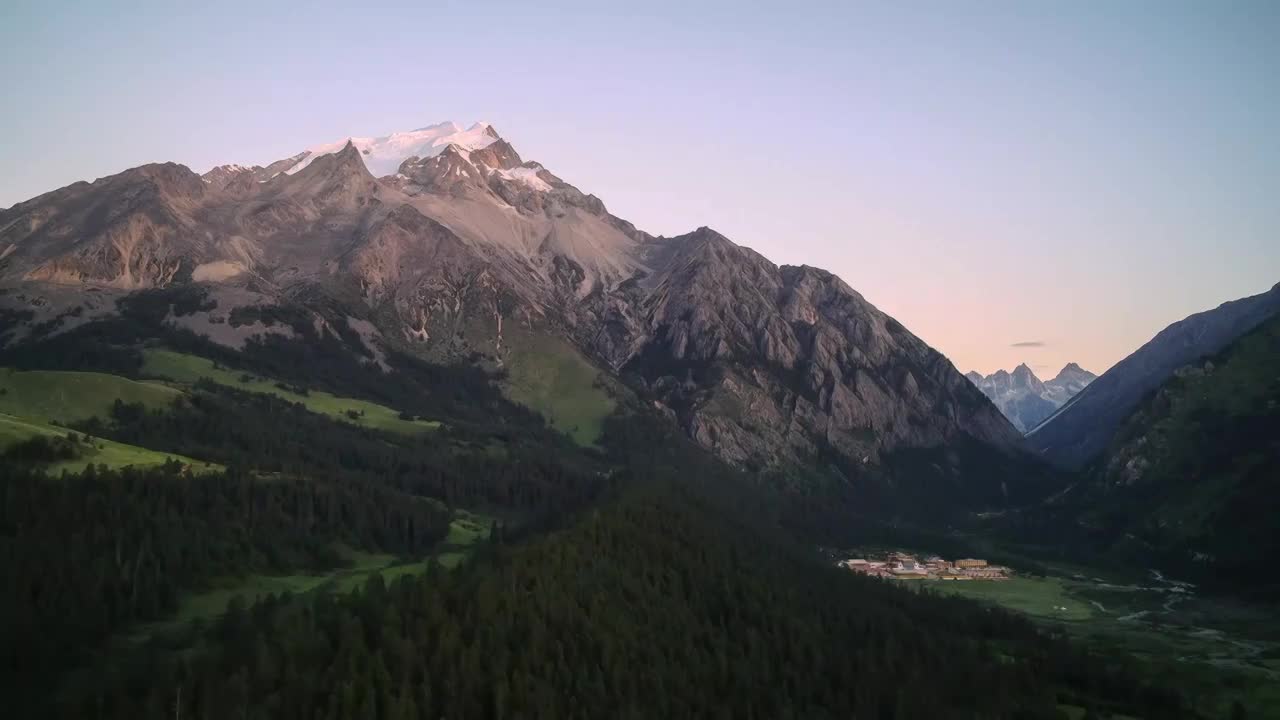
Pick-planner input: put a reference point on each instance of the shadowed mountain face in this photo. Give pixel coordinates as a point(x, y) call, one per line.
point(1024, 399)
point(466, 241)
point(757, 359)
point(1189, 478)
point(1082, 429)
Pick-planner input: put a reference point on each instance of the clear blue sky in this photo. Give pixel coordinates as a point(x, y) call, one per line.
point(1072, 174)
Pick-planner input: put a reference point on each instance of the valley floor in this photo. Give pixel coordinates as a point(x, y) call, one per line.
point(1221, 650)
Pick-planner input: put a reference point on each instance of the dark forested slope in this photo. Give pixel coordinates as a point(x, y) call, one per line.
point(641, 578)
point(1191, 481)
point(1082, 430)
point(656, 605)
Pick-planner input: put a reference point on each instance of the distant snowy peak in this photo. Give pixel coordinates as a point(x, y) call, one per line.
point(1024, 399)
point(384, 155)
point(1073, 374)
point(1069, 381)
point(1023, 377)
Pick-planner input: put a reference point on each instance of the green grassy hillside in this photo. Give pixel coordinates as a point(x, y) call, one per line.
point(548, 375)
point(1190, 480)
point(31, 401)
point(99, 452)
point(190, 369)
point(65, 397)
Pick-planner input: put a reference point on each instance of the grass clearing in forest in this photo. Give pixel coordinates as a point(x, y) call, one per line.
point(183, 368)
point(209, 604)
point(466, 531)
point(549, 376)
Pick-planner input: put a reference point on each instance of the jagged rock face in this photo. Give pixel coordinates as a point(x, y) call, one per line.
point(132, 230)
point(223, 175)
point(763, 364)
point(1024, 399)
point(1068, 383)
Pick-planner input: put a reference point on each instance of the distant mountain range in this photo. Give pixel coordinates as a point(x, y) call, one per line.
point(1082, 429)
point(1024, 399)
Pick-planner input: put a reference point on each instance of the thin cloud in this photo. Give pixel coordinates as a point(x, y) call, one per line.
point(1029, 343)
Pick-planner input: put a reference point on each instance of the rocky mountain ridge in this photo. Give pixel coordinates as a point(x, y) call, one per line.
point(765, 365)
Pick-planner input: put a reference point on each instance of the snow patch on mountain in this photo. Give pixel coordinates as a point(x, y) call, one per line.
point(525, 176)
point(383, 155)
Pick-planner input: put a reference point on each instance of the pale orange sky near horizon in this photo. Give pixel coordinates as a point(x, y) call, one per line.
point(1077, 175)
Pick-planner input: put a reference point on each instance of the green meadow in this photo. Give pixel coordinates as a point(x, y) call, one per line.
point(182, 368)
point(98, 452)
point(1220, 650)
point(549, 376)
point(31, 401)
point(62, 396)
point(1041, 597)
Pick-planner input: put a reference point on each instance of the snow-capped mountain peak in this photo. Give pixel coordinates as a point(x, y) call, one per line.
point(383, 155)
point(1069, 381)
point(1023, 375)
point(1024, 399)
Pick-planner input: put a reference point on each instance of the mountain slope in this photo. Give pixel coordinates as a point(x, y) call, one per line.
point(1190, 477)
point(1081, 430)
point(757, 359)
point(460, 238)
point(666, 598)
point(1024, 399)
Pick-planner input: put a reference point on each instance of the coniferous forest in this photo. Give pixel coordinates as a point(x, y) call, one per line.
point(650, 608)
point(639, 578)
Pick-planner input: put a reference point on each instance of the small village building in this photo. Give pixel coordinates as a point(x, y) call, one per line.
point(987, 573)
point(904, 566)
